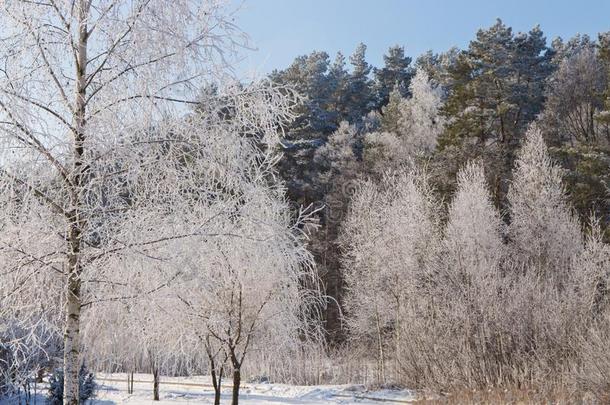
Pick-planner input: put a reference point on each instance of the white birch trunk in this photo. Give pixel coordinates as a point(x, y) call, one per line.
point(76, 222)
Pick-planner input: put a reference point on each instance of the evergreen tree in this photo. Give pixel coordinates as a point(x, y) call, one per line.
point(604, 56)
point(498, 85)
point(87, 388)
point(338, 165)
point(359, 92)
point(438, 66)
point(316, 118)
point(396, 74)
point(308, 75)
point(392, 112)
point(338, 81)
point(561, 49)
point(496, 92)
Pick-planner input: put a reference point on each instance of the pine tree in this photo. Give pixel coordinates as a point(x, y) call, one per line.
point(561, 50)
point(338, 166)
point(438, 66)
point(338, 79)
point(396, 74)
point(317, 116)
point(308, 75)
point(359, 93)
point(87, 386)
point(495, 94)
point(604, 55)
point(392, 112)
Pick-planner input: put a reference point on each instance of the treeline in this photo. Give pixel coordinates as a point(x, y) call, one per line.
point(440, 112)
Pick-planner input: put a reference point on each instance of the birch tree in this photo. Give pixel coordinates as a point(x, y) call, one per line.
point(544, 232)
point(242, 243)
point(389, 238)
point(247, 293)
point(82, 84)
point(473, 234)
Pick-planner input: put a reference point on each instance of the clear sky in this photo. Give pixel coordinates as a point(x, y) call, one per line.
point(284, 29)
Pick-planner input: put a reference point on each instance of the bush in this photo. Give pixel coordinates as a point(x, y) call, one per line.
point(87, 386)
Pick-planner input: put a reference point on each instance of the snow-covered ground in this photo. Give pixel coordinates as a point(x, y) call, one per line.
point(197, 390)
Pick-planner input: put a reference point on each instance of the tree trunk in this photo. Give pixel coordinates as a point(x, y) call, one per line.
point(397, 353)
point(217, 382)
point(130, 383)
point(216, 376)
point(72, 335)
point(381, 359)
point(75, 222)
point(236, 383)
point(155, 384)
point(40, 375)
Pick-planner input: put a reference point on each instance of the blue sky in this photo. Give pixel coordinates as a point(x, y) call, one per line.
point(284, 29)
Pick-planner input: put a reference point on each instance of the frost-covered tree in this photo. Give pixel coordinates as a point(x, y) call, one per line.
point(338, 156)
point(246, 289)
point(544, 233)
point(575, 98)
point(469, 272)
point(592, 271)
point(473, 239)
point(389, 238)
point(28, 346)
point(248, 293)
point(421, 123)
point(571, 125)
point(410, 127)
point(91, 96)
point(221, 293)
